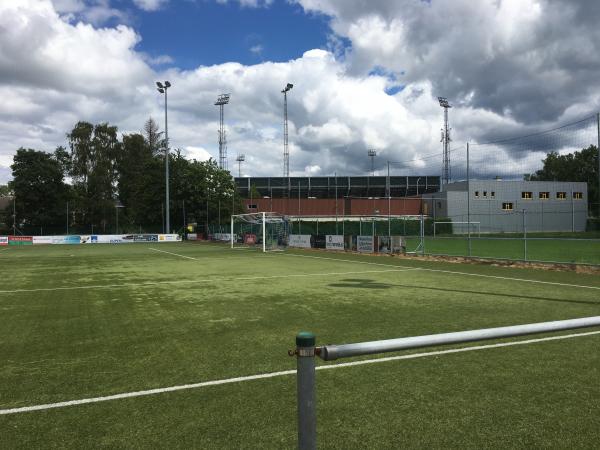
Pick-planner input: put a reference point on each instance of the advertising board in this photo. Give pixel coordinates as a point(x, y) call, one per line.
point(20, 240)
point(398, 244)
point(299, 240)
point(3, 240)
point(364, 244)
point(192, 236)
point(37, 240)
point(334, 242)
point(250, 239)
point(215, 236)
point(317, 241)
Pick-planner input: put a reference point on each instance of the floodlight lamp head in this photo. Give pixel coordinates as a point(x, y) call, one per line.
point(222, 99)
point(372, 153)
point(161, 90)
point(159, 84)
point(288, 87)
point(167, 84)
point(444, 102)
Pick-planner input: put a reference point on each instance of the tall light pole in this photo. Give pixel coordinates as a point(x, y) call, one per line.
point(240, 159)
point(286, 151)
point(222, 100)
point(445, 140)
point(372, 154)
point(162, 88)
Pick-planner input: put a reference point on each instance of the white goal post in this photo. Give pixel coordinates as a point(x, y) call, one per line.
point(268, 231)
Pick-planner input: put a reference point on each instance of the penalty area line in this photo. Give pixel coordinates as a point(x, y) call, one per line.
point(156, 391)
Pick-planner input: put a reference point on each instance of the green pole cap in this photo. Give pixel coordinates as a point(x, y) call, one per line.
point(305, 339)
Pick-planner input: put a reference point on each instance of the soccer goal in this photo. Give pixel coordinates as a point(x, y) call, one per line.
point(266, 231)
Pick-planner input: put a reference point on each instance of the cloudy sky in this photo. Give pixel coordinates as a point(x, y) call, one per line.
point(366, 74)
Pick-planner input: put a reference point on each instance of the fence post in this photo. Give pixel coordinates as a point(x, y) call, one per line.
point(307, 400)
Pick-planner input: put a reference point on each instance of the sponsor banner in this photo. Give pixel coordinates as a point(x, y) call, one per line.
point(3, 240)
point(364, 244)
point(334, 242)
point(250, 239)
point(20, 240)
point(317, 241)
point(66, 239)
point(398, 245)
point(192, 236)
point(220, 236)
point(299, 240)
point(42, 240)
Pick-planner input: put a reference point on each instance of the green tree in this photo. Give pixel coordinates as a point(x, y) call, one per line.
point(95, 150)
point(578, 166)
point(39, 189)
point(5, 190)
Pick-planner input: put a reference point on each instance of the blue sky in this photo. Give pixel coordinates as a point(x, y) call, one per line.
point(206, 33)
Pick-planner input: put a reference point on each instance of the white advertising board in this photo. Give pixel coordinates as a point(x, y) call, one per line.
point(3, 240)
point(364, 244)
point(192, 236)
point(42, 240)
point(299, 240)
point(334, 242)
point(222, 236)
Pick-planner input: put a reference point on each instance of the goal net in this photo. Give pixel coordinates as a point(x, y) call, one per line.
point(266, 231)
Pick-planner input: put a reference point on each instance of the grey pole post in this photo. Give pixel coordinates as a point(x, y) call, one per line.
point(468, 204)
point(117, 219)
point(307, 399)
point(167, 203)
point(264, 234)
point(67, 219)
point(389, 187)
point(524, 234)
point(15, 215)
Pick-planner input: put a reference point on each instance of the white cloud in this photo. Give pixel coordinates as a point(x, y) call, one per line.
point(488, 60)
point(150, 5)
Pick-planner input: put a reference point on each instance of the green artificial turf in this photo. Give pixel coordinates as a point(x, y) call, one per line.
point(580, 251)
point(88, 321)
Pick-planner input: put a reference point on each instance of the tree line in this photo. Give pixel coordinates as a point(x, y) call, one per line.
point(99, 179)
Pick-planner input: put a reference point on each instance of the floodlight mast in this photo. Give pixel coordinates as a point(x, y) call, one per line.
point(240, 159)
point(222, 100)
point(445, 141)
point(286, 151)
point(162, 88)
point(372, 154)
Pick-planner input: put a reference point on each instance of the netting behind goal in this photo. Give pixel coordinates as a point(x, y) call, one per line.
point(264, 231)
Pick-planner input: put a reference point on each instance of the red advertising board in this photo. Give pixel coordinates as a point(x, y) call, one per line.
point(20, 240)
point(250, 239)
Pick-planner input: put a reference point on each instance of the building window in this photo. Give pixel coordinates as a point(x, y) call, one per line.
point(485, 193)
point(507, 206)
point(439, 204)
point(544, 195)
point(526, 195)
point(578, 195)
point(251, 207)
point(477, 194)
point(561, 195)
point(493, 194)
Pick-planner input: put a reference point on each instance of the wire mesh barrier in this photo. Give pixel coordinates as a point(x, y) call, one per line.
point(530, 198)
point(306, 350)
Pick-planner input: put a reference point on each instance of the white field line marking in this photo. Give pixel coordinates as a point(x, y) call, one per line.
point(281, 373)
point(202, 280)
point(453, 272)
point(174, 254)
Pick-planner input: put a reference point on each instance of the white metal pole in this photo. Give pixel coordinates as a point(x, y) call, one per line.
point(231, 231)
point(264, 223)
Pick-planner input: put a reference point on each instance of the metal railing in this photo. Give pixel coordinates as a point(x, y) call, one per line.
point(306, 351)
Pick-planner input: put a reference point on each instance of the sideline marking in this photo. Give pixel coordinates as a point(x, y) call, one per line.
point(279, 374)
point(450, 272)
point(203, 280)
